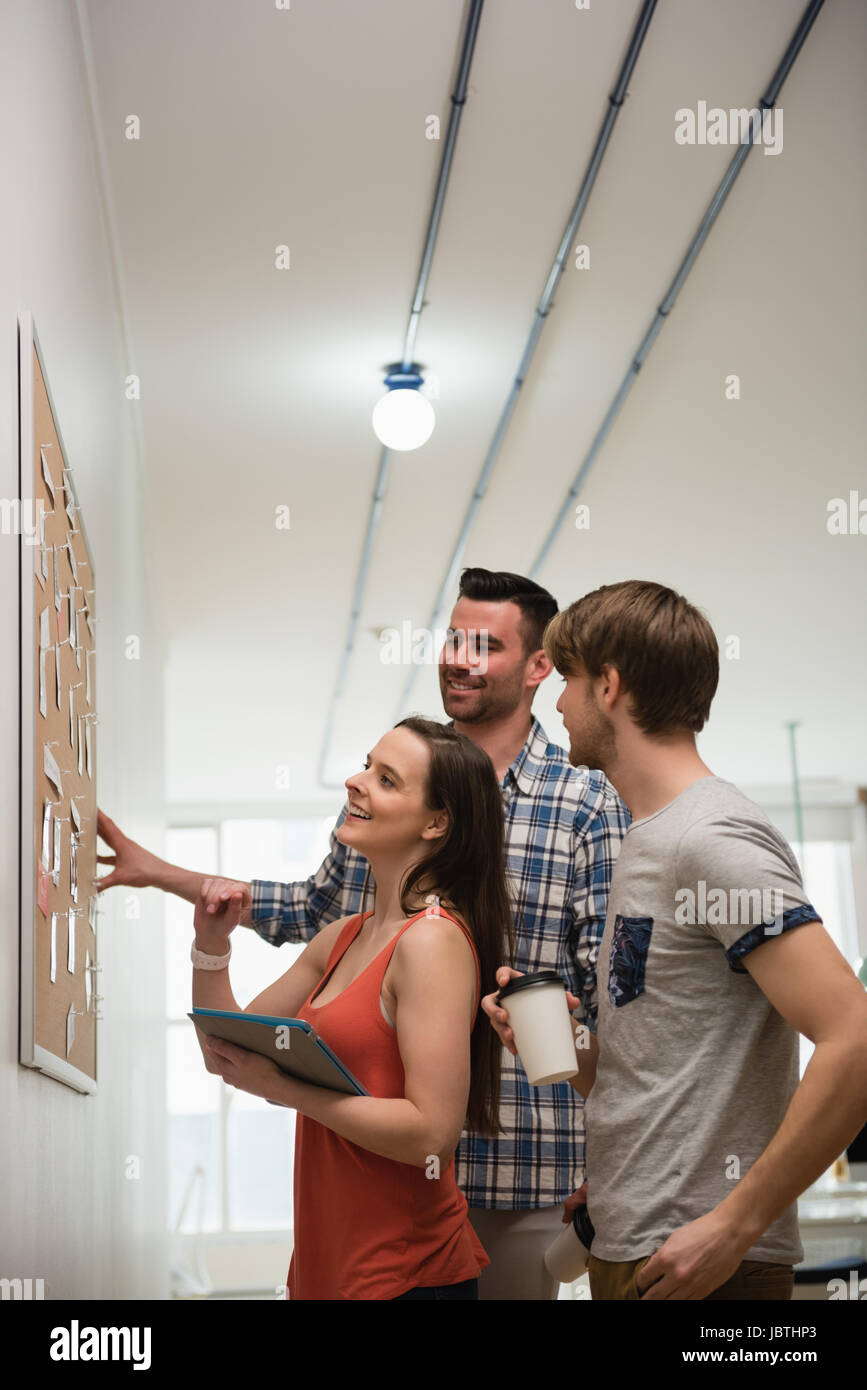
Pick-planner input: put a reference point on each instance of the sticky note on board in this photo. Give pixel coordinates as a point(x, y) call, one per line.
point(70, 504)
point(73, 868)
point(58, 600)
point(73, 635)
point(40, 563)
point(44, 646)
point(46, 472)
point(46, 835)
point(42, 883)
point(58, 846)
point(51, 769)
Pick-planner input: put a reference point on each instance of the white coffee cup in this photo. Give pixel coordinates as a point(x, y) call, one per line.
point(566, 1257)
point(540, 1020)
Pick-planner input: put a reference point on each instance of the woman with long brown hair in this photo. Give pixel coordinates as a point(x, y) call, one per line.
point(395, 993)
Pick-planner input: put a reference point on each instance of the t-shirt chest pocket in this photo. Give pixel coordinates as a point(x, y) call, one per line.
point(630, 942)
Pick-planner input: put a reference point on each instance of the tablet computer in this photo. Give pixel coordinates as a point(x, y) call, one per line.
point(292, 1043)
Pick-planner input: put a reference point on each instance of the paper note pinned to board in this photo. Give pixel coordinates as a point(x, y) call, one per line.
point(73, 563)
point(73, 626)
point(87, 744)
point(87, 657)
point(73, 868)
point(46, 472)
point(70, 938)
point(58, 600)
point(88, 982)
point(80, 744)
point(46, 834)
point(44, 645)
point(40, 550)
point(72, 717)
point(53, 973)
point(40, 563)
point(52, 771)
point(42, 883)
point(70, 1029)
point(70, 501)
point(58, 847)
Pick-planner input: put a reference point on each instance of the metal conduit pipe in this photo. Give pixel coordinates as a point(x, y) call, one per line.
point(713, 209)
point(458, 98)
point(615, 102)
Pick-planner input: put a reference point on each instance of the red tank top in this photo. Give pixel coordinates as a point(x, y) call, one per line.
point(368, 1227)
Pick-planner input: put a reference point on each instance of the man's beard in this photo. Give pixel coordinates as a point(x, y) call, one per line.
point(485, 704)
point(596, 745)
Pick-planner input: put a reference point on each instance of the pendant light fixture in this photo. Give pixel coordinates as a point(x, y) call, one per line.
point(403, 418)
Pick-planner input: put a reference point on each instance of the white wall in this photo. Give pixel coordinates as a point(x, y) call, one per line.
point(68, 1213)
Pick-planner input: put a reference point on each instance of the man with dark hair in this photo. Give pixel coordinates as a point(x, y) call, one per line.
point(563, 828)
point(699, 1137)
point(499, 586)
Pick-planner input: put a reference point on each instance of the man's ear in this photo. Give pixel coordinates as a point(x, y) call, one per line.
point(539, 667)
point(610, 686)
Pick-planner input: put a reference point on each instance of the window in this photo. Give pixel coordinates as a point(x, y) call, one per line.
point(230, 1153)
point(826, 868)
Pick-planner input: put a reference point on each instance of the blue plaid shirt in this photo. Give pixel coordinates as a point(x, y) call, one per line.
point(564, 827)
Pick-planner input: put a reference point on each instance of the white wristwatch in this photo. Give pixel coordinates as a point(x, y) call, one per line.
point(202, 961)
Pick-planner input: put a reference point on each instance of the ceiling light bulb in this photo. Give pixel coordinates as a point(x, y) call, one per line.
point(403, 419)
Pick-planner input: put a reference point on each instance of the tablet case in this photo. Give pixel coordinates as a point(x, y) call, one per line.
point(292, 1043)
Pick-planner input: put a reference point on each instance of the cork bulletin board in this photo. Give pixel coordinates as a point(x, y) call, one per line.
point(57, 725)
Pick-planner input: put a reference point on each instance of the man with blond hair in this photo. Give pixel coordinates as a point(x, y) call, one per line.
point(699, 1136)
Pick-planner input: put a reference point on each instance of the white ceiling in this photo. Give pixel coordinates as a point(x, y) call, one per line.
point(306, 127)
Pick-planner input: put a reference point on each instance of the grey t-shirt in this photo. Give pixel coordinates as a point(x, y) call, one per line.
point(696, 1068)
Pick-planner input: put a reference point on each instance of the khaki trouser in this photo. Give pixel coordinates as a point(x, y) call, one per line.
point(752, 1280)
point(516, 1242)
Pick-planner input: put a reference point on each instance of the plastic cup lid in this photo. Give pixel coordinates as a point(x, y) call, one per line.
point(540, 977)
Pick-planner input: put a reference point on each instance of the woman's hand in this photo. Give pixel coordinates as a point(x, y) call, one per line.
point(219, 907)
point(247, 1071)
